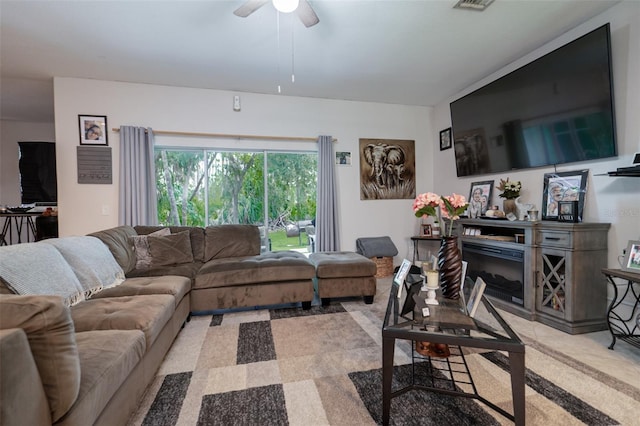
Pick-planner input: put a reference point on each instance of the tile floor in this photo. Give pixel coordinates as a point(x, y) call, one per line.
point(622, 363)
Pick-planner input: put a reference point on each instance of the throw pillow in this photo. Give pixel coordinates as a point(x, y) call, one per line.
point(91, 261)
point(141, 245)
point(170, 249)
point(37, 268)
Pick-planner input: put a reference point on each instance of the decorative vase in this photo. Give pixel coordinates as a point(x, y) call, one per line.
point(450, 264)
point(509, 206)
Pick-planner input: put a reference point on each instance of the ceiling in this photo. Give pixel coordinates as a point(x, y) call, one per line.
point(403, 52)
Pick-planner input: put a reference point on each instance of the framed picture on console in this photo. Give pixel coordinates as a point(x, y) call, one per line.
point(567, 211)
point(632, 257)
point(479, 198)
point(563, 186)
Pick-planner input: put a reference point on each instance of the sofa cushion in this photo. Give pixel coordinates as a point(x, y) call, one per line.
point(265, 268)
point(341, 264)
point(47, 323)
point(231, 241)
point(176, 286)
point(38, 268)
point(107, 358)
point(148, 313)
point(141, 247)
point(196, 234)
point(119, 244)
point(91, 261)
point(170, 249)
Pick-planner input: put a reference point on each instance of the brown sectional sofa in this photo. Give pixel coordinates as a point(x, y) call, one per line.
point(227, 271)
point(91, 363)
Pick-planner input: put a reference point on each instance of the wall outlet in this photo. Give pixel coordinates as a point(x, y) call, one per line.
point(106, 211)
point(236, 103)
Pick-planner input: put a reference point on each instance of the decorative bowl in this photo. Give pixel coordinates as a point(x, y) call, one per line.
point(19, 209)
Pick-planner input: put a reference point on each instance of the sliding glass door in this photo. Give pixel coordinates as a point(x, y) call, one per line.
point(210, 187)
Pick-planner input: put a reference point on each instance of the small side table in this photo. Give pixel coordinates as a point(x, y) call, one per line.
point(21, 224)
point(416, 240)
point(625, 329)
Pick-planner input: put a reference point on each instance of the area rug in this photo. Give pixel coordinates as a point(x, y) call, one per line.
point(323, 367)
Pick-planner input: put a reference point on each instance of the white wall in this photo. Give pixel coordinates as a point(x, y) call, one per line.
point(197, 110)
point(12, 132)
point(609, 199)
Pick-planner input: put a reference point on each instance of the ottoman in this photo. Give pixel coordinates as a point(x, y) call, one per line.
point(344, 274)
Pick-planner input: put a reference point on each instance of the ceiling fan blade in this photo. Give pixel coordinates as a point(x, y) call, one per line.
point(306, 14)
point(249, 7)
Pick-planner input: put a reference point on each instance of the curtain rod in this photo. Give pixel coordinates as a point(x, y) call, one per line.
point(229, 136)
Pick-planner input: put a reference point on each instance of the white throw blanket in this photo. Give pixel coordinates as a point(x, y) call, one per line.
point(36, 268)
point(91, 261)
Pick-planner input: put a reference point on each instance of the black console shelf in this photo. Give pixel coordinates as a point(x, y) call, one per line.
point(620, 174)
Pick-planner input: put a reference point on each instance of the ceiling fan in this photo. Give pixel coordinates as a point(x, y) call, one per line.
point(301, 7)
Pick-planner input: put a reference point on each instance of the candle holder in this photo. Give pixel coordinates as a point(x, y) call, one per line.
point(431, 286)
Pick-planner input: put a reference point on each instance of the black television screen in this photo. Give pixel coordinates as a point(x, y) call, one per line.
point(557, 109)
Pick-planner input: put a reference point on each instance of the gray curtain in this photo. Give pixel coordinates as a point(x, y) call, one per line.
point(327, 238)
point(138, 201)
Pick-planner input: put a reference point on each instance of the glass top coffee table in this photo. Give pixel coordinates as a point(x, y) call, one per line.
point(437, 341)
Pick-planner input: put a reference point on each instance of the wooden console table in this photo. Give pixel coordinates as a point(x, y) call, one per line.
point(619, 326)
point(560, 268)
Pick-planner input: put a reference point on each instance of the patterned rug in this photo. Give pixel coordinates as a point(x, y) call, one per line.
point(323, 367)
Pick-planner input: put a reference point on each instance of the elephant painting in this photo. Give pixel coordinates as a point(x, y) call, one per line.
point(387, 169)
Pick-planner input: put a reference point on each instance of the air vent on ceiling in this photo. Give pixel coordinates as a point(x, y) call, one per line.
point(479, 5)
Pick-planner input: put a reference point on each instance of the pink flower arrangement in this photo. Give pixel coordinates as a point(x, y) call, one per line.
point(431, 204)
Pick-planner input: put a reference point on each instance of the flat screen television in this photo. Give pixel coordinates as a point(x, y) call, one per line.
point(557, 109)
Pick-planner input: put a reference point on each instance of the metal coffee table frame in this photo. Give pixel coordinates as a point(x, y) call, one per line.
point(484, 337)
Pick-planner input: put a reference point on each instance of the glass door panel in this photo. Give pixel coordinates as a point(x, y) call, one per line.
point(292, 182)
point(180, 176)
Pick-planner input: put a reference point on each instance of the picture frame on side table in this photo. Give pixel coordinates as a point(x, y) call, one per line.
point(425, 230)
point(445, 139)
point(632, 257)
point(93, 130)
point(563, 186)
point(475, 296)
point(479, 198)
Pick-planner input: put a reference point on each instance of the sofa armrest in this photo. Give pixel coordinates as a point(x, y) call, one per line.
point(47, 324)
point(22, 397)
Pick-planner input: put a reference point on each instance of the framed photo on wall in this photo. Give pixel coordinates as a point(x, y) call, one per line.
point(632, 257)
point(343, 158)
point(445, 139)
point(479, 198)
point(563, 186)
point(93, 130)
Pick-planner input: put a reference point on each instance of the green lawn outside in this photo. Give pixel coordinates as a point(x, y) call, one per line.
point(280, 241)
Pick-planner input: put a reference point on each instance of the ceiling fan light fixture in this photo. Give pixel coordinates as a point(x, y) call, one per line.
point(286, 6)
